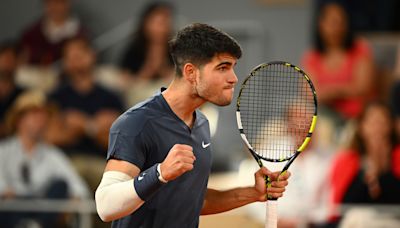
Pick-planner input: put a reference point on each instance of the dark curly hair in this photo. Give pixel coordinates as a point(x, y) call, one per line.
point(199, 43)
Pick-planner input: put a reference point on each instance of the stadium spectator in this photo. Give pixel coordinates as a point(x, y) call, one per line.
point(340, 64)
point(147, 56)
point(369, 171)
point(42, 42)
point(87, 111)
point(31, 168)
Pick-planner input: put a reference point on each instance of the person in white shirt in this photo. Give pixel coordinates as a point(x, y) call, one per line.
point(29, 167)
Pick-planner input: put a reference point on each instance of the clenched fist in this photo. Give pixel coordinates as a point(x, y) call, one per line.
point(179, 160)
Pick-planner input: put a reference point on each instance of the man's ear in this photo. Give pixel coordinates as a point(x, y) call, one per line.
point(189, 72)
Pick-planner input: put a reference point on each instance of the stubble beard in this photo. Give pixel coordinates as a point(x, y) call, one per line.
point(208, 96)
point(204, 92)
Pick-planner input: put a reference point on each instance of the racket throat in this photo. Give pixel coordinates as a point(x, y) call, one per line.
point(286, 167)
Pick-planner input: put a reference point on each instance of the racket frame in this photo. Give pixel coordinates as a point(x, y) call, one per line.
point(312, 126)
point(271, 217)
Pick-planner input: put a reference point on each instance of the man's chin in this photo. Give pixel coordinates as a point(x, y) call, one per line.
point(223, 103)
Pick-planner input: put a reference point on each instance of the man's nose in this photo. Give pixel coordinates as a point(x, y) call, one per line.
point(233, 79)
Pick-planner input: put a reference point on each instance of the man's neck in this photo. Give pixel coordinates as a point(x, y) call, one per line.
point(83, 83)
point(182, 101)
point(28, 143)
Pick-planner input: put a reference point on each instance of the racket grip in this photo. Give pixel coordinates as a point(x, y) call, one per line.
point(272, 215)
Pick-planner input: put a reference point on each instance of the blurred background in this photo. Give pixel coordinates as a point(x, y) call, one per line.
point(68, 68)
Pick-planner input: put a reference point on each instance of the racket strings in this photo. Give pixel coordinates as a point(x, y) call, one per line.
point(277, 107)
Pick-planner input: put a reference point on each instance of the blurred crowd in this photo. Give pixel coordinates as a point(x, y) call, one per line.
point(57, 105)
point(354, 157)
point(56, 109)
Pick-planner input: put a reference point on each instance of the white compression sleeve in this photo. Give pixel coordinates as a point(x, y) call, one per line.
point(116, 196)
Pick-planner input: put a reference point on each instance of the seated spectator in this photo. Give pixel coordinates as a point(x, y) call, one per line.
point(42, 42)
point(8, 89)
point(87, 111)
point(339, 64)
point(369, 171)
point(31, 168)
point(147, 57)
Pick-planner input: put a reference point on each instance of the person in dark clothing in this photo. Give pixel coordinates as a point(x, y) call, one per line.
point(88, 109)
point(159, 155)
point(147, 57)
point(86, 112)
point(369, 172)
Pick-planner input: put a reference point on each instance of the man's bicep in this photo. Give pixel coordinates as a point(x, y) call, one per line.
point(122, 166)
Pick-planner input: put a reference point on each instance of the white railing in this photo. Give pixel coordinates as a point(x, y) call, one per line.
point(83, 208)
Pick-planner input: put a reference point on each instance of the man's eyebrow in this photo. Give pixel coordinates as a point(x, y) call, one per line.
point(225, 63)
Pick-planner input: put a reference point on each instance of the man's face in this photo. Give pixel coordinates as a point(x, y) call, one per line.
point(8, 62)
point(34, 122)
point(57, 9)
point(78, 58)
point(216, 80)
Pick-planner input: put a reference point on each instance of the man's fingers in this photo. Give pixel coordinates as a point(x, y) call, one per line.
point(278, 176)
point(183, 150)
point(187, 167)
point(275, 195)
point(279, 184)
point(262, 172)
point(275, 190)
point(182, 147)
point(186, 154)
point(284, 176)
point(189, 159)
point(273, 175)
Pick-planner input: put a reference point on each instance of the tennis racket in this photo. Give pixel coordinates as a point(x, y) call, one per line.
point(276, 115)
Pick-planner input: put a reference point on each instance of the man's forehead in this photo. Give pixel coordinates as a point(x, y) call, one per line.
point(225, 57)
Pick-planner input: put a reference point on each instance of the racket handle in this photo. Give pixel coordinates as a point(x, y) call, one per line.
point(272, 215)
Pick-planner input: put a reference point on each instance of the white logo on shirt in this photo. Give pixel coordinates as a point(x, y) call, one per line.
point(140, 177)
point(205, 145)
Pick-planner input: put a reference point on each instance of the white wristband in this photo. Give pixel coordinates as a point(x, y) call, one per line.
point(160, 177)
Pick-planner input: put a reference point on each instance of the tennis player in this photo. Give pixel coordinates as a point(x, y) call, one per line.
point(159, 155)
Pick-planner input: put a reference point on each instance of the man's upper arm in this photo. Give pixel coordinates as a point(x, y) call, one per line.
point(128, 140)
point(122, 166)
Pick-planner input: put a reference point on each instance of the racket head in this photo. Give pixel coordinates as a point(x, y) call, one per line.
point(276, 111)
